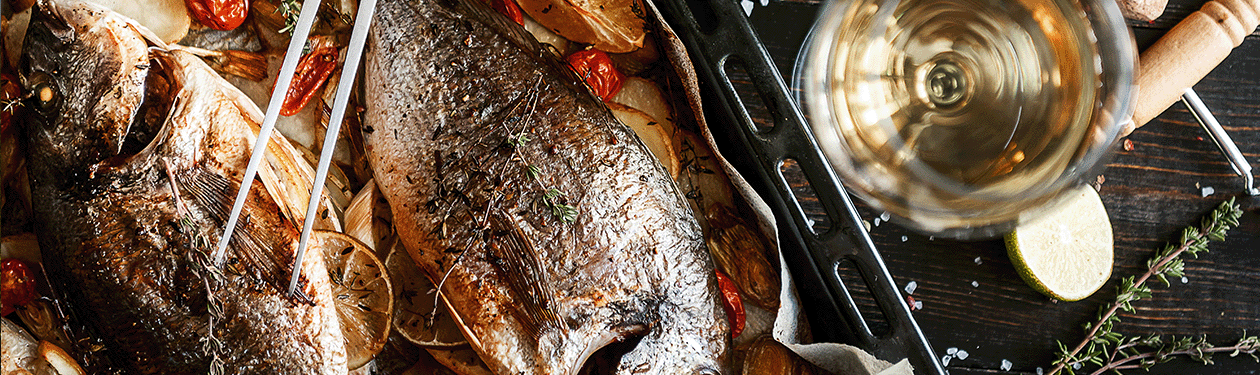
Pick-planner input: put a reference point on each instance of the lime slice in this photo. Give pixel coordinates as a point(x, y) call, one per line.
point(362, 291)
point(416, 316)
point(1068, 253)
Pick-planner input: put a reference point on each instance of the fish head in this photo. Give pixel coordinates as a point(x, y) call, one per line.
point(691, 340)
point(85, 70)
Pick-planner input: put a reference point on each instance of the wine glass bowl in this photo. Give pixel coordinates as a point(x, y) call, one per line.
point(967, 117)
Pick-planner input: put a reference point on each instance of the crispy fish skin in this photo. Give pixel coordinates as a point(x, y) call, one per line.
point(469, 124)
point(127, 187)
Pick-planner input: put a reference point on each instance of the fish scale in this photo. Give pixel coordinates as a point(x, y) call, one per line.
point(570, 238)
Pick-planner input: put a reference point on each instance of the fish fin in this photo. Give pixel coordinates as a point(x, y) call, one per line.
point(516, 257)
point(286, 174)
point(263, 249)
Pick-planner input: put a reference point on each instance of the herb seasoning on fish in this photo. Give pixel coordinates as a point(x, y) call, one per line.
point(134, 151)
point(535, 292)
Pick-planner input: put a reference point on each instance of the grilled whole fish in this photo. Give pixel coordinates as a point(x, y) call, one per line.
point(135, 155)
point(549, 226)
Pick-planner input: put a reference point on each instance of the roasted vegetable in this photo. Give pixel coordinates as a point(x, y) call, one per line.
point(17, 285)
point(312, 71)
point(597, 69)
point(168, 19)
point(769, 357)
point(732, 303)
point(219, 14)
point(614, 26)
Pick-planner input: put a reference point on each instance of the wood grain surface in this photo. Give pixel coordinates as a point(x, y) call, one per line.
point(1150, 191)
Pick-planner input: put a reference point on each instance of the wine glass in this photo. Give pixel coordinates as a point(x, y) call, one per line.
point(967, 117)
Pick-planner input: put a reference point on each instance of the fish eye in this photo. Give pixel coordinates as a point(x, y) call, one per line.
point(45, 95)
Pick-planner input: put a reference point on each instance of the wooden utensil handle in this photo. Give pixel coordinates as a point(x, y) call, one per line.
point(1142, 10)
point(1189, 51)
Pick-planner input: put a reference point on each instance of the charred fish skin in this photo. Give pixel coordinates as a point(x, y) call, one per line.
point(549, 226)
point(123, 228)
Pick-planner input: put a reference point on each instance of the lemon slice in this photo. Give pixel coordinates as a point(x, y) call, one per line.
point(415, 315)
point(1068, 253)
point(362, 291)
point(461, 361)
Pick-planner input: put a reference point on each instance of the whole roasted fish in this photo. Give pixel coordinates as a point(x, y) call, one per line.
point(547, 224)
point(135, 153)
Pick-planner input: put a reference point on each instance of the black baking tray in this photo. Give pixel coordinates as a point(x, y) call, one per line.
point(716, 32)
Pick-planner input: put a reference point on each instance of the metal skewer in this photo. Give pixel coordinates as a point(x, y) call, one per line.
point(358, 37)
point(305, 19)
point(1222, 139)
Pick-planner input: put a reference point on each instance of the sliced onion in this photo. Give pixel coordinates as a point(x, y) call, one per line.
point(17, 350)
point(369, 219)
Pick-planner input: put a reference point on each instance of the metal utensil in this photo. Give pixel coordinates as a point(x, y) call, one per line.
point(1222, 139)
point(358, 37)
point(305, 19)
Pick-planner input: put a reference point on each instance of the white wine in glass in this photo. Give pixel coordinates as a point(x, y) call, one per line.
point(966, 117)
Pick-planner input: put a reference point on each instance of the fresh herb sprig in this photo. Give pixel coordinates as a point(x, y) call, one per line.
point(211, 275)
point(1145, 352)
point(552, 197)
point(1113, 351)
point(290, 9)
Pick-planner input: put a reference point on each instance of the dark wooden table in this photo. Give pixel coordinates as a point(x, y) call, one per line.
point(1151, 192)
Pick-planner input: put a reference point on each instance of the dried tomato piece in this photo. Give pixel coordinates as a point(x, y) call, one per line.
point(510, 9)
point(597, 69)
point(17, 285)
point(312, 70)
point(218, 14)
point(733, 304)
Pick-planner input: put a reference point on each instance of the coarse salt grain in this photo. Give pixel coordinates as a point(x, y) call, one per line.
point(885, 216)
point(962, 354)
point(978, 261)
point(1040, 371)
point(877, 221)
point(1185, 279)
point(918, 305)
point(951, 351)
point(910, 287)
point(975, 284)
point(1208, 190)
point(1006, 365)
point(945, 360)
point(904, 238)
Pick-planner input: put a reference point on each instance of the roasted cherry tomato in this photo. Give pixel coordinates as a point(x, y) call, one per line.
point(597, 69)
point(218, 14)
point(733, 304)
point(10, 90)
point(509, 9)
point(312, 70)
point(17, 285)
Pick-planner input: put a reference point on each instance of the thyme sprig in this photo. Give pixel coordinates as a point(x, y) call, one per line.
point(552, 197)
point(1114, 351)
point(211, 275)
point(290, 9)
point(1151, 350)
